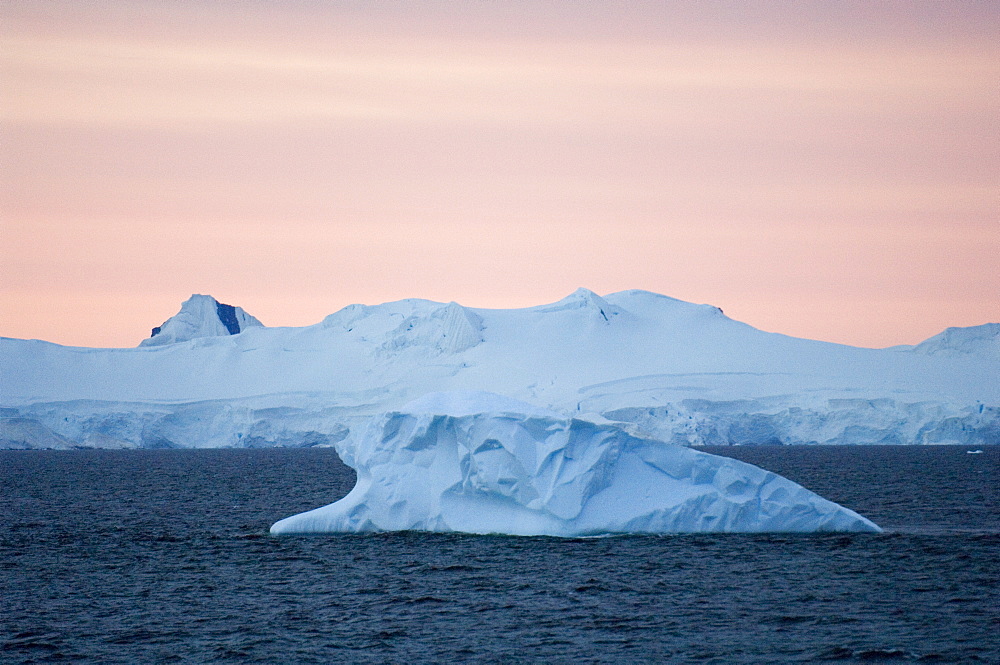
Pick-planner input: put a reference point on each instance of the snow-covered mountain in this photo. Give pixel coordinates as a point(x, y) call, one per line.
point(679, 372)
point(201, 316)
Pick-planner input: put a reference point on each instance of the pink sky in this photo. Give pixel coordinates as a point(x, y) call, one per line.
point(825, 170)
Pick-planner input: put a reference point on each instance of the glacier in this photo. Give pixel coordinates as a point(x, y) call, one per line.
point(482, 463)
point(679, 372)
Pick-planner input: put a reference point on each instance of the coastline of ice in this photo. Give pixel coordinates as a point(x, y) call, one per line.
point(679, 372)
point(475, 462)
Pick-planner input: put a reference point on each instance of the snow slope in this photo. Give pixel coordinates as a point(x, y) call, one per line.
point(679, 372)
point(981, 340)
point(482, 463)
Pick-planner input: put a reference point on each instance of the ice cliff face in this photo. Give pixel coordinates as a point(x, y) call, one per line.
point(483, 463)
point(201, 316)
point(677, 371)
point(981, 340)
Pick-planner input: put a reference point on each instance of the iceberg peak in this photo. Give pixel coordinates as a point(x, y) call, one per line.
point(586, 300)
point(447, 329)
point(201, 316)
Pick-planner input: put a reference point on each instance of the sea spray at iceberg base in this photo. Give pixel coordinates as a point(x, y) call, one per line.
point(482, 463)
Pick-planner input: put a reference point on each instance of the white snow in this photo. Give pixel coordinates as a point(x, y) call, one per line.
point(676, 371)
point(199, 317)
point(483, 463)
point(981, 340)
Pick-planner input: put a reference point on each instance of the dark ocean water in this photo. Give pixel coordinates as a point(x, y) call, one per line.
point(164, 557)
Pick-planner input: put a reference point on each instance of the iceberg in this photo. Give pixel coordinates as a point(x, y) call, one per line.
point(483, 463)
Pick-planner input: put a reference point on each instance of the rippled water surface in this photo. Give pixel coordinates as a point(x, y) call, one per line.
point(163, 556)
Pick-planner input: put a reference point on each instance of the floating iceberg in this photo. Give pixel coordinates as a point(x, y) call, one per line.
point(483, 463)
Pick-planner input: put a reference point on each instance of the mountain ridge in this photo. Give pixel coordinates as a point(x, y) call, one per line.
point(683, 372)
